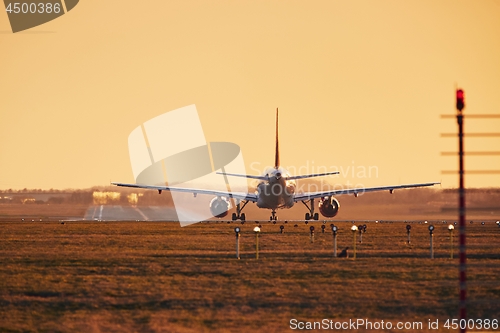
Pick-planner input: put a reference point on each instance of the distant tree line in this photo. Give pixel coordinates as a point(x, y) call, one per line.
point(85, 197)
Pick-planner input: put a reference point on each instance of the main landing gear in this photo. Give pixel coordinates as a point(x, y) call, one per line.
point(311, 215)
point(273, 216)
point(238, 215)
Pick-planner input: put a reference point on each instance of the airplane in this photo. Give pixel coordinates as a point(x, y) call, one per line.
point(276, 190)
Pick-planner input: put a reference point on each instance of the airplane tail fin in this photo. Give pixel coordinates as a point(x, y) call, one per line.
point(277, 156)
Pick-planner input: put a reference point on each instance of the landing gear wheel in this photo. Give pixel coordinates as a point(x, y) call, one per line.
point(243, 217)
point(308, 216)
point(316, 216)
point(233, 217)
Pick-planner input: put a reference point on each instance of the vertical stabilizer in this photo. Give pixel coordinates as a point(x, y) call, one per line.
point(277, 156)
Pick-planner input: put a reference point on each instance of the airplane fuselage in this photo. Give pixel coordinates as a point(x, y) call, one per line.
point(277, 191)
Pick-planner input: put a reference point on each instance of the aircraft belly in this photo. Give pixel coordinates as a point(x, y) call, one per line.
point(273, 196)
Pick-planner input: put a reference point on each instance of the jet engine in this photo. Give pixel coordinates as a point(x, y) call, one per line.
point(328, 206)
point(219, 207)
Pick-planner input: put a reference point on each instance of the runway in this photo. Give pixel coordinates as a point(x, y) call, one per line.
point(162, 213)
point(130, 213)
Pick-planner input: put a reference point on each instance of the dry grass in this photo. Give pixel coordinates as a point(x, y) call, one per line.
point(15, 212)
point(158, 277)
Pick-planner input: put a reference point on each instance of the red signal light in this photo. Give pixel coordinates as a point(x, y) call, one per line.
point(460, 100)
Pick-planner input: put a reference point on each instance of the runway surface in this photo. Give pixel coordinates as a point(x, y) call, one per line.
point(130, 213)
point(162, 213)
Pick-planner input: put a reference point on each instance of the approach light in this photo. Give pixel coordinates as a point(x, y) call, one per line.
point(311, 228)
point(354, 229)
point(237, 229)
point(451, 227)
point(497, 222)
point(431, 228)
point(460, 100)
point(256, 229)
point(335, 228)
point(408, 227)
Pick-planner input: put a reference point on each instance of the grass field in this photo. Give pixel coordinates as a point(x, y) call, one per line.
point(158, 277)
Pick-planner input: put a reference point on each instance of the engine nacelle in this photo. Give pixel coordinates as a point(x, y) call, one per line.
point(219, 207)
point(328, 206)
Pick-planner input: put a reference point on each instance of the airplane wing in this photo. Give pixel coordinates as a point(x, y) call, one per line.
point(356, 191)
point(236, 195)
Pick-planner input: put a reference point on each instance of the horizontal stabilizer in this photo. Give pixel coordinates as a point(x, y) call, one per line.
point(287, 178)
point(313, 175)
point(244, 176)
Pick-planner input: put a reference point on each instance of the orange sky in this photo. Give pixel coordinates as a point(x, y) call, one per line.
point(358, 83)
